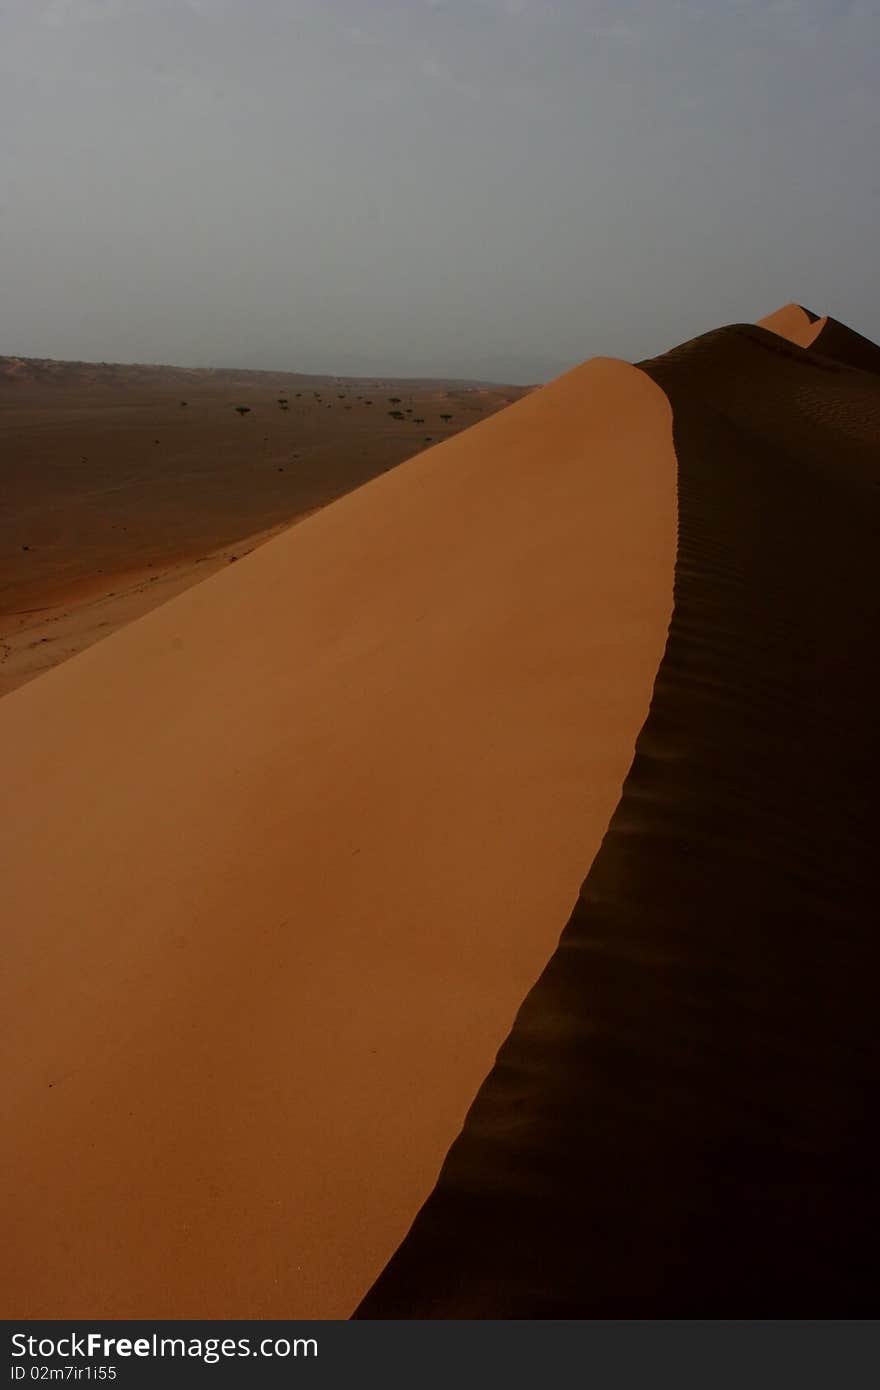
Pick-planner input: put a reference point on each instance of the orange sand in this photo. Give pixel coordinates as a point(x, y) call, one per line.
point(794, 323)
point(283, 857)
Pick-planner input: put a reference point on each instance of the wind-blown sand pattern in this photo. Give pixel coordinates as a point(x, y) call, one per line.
point(681, 1122)
point(284, 856)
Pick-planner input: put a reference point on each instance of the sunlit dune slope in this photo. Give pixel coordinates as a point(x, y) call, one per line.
point(284, 856)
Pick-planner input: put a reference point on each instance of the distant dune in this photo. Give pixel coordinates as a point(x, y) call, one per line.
point(287, 852)
point(844, 345)
point(463, 905)
point(792, 321)
point(824, 335)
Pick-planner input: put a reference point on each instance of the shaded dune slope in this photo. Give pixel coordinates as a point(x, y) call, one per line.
point(681, 1122)
point(285, 854)
point(835, 340)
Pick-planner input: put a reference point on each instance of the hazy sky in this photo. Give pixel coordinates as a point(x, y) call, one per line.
point(491, 188)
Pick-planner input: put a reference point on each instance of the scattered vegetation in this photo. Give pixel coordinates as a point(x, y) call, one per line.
point(445, 417)
point(242, 410)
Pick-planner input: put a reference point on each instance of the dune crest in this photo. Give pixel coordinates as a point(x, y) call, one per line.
point(286, 853)
point(678, 1124)
point(793, 322)
point(824, 335)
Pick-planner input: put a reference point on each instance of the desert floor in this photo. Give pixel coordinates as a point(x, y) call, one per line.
point(116, 496)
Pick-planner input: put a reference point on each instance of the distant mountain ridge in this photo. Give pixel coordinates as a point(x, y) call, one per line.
point(49, 371)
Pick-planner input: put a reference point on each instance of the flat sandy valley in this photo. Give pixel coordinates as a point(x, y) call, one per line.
point(117, 495)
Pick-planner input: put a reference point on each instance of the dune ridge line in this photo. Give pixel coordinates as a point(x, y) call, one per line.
point(287, 852)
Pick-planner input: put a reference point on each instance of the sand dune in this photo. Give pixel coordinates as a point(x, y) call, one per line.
point(285, 854)
point(681, 1122)
point(290, 856)
point(793, 322)
point(824, 335)
point(835, 340)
